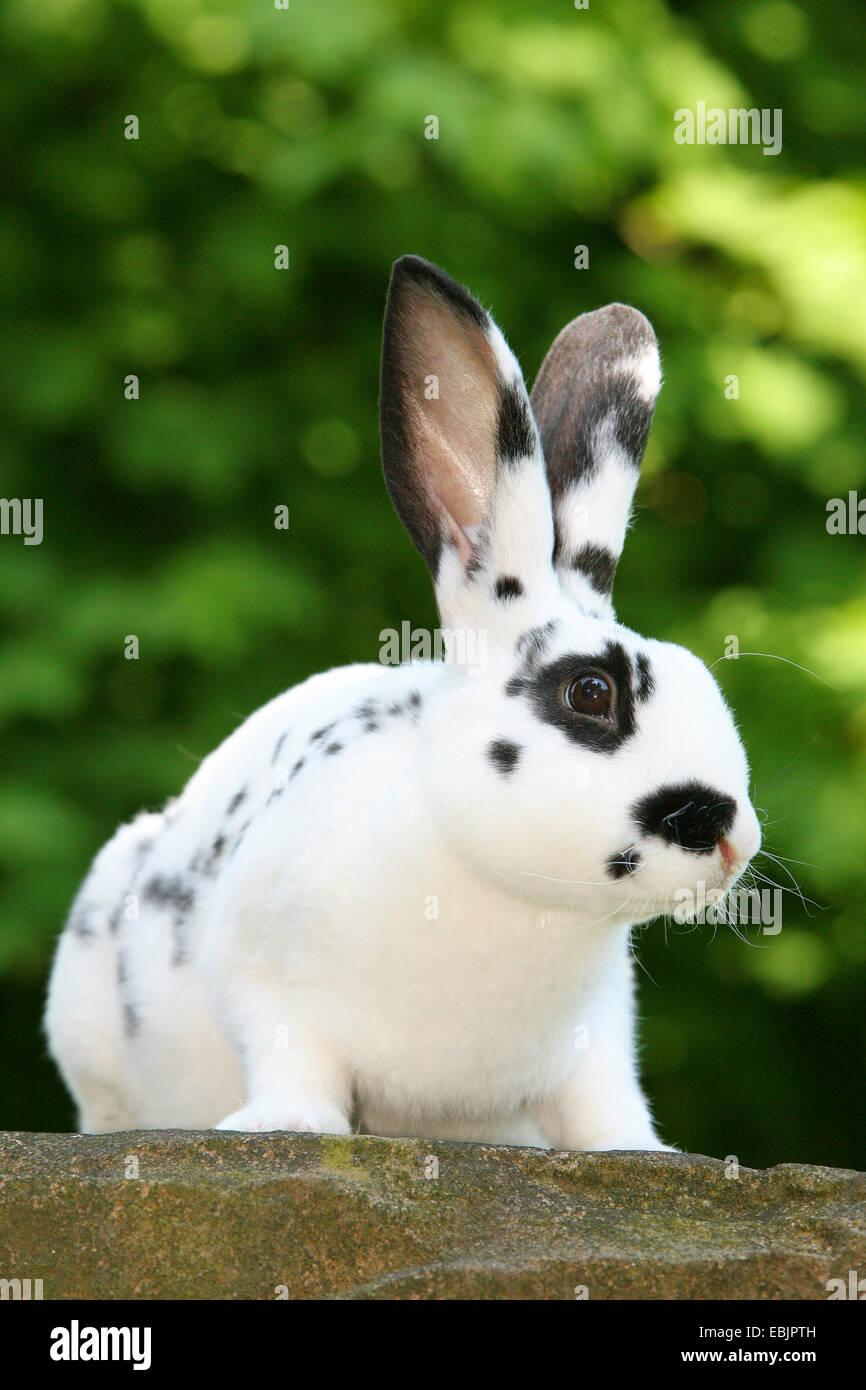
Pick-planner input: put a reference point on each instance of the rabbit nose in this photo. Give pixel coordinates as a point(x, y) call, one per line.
point(742, 840)
point(690, 815)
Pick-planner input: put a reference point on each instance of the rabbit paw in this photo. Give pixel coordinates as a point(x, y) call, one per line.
point(282, 1112)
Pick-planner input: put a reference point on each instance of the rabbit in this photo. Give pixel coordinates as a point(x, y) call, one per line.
point(398, 899)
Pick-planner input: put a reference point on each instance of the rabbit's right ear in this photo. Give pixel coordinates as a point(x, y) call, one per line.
point(593, 400)
point(460, 448)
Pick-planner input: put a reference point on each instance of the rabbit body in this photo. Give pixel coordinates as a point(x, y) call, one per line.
point(447, 1005)
point(400, 898)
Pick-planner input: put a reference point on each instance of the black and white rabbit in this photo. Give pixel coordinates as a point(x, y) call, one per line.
point(399, 898)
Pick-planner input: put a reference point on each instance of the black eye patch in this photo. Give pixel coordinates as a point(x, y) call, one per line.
point(543, 688)
point(532, 645)
point(645, 683)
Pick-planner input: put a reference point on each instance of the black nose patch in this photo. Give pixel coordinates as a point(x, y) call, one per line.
point(691, 815)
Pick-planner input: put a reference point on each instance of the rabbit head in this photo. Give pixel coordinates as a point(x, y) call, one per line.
point(573, 762)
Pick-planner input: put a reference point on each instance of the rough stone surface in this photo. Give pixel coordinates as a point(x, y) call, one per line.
point(174, 1214)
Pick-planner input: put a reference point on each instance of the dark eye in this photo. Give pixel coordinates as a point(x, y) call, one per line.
point(591, 694)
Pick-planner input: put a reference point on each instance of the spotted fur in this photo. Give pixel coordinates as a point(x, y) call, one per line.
point(393, 896)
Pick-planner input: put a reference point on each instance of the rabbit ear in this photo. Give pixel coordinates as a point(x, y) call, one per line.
point(593, 401)
point(460, 449)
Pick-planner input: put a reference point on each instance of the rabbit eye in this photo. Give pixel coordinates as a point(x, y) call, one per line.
point(591, 694)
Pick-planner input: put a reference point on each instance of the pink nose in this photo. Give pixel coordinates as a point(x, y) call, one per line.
point(728, 851)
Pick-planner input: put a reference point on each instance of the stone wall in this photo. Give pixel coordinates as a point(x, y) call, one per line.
point(216, 1215)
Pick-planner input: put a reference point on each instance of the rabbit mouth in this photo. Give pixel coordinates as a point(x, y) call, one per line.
point(731, 873)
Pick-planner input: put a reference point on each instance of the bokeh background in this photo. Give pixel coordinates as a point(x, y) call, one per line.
point(306, 127)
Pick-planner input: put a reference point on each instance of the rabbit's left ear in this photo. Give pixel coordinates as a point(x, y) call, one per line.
point(460, 449)
point(593, 401)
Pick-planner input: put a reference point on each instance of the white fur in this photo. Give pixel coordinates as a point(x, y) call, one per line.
point(645, 369)
point(403, 939)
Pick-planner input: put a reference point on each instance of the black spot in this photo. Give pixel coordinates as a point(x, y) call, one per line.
point(239, 797)
point(241, 833)
point(370, 726)
point(645, 683)
point(319, 734)
point(215, 855)
point(532, 644)
point(597, 564)
point(334, 748)
point(296, 769)
point(172, 894)
point(690, 815)
point(515, 432)
point(275, 794)
point(504, 755)
point(508, 587)
point(81, 923)
point(169, 892)
point(475, 564)
point(115, 919)
point(131, 1019)
point(620, 865)
point(544, 686)
point(410, 704)
point(368, 709)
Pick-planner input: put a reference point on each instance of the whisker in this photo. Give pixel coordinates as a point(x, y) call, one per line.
point(639, 963)
point(804, 900)
point(574, 882)
point(790, 764)
point(788, 860)
point(773, 656)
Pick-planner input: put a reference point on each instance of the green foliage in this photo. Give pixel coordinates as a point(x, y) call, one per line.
point(155, 257)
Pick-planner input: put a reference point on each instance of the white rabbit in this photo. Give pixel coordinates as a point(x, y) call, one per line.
point(399, 899)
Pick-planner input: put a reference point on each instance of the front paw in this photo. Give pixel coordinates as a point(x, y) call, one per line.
point(283, 1112)
point(630, 1143)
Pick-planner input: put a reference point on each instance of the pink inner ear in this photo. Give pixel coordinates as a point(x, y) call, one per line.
point(452, 433)
point(456, 532)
